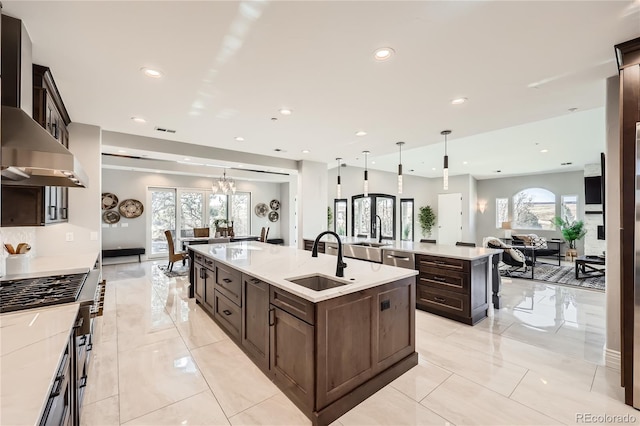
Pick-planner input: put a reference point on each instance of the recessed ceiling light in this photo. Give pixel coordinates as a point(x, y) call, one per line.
point(433, 168)
point(383, 53)
point(285, 111)
point(544, 150)
point(240, 165)
point(361, 133)
point(139, 119)
point(465, 162)
point(239, 138)
point(459, 101)
point(373, 162)
point(305, 151)
point(186, 159)
point(150, 72)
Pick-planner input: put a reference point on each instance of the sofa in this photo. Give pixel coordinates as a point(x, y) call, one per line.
point(534, 246)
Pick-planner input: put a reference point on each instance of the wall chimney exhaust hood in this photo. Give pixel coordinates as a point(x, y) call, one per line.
point(31, 156)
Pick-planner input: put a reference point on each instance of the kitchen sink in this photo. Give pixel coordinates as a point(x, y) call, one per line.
point(317, 282)
point(369, 244)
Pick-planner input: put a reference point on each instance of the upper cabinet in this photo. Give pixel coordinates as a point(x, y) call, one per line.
point(37, 205)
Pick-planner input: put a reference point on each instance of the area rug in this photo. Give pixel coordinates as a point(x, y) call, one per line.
point(178, 271)
point(564, 275)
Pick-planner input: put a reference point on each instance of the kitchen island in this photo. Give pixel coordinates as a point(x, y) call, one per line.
point(455, 282)
point(327, 348)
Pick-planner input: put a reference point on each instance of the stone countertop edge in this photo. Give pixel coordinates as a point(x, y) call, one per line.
point(276, 264)
point(444, 250)
point(30, 369)
point(41, 266)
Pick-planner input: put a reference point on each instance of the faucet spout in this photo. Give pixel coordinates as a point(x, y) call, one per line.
point(340, 265)
point(379, 228)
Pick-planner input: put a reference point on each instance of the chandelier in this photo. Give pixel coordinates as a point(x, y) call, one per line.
point(224, 184)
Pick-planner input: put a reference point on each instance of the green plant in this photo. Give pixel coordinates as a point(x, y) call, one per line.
point(329, 218)
point(427, 219)
point(571, 231)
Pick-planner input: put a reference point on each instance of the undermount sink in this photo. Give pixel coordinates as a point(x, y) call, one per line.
point(316, 282)
point(369, 244)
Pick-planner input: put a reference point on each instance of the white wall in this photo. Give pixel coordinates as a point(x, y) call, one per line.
point(312, 206)
point(132, 184)
point(612, 228)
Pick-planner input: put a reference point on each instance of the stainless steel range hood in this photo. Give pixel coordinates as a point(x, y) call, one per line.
point(31, 156)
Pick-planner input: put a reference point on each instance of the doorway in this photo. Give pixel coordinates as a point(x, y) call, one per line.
point(449, 218)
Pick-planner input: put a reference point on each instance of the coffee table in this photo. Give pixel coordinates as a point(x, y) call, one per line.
point(584, 266)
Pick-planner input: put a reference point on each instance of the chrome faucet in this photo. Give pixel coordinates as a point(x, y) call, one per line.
point(379, 228)
point(341, 265)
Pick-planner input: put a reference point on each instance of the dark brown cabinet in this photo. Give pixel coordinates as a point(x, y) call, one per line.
point(199, 278)
point(37, 206)
point(292, 357)
point(453, 288)
point(255, 320)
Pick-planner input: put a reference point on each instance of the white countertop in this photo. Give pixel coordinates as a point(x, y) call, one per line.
point(444, 250)
point(32, 343)
point(275, 264)
point(47, 265)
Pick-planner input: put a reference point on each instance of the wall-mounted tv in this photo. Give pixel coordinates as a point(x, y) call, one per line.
point(593, 190)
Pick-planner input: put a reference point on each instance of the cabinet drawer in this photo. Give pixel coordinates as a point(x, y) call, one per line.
point(228, 314)
point(229, 283)
point(444, 279)
point(296, 306)
point(198, 258)
point(442, 300)
point(442, 262)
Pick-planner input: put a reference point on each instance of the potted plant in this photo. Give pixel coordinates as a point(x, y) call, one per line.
point(571, 231)
point(427, 219)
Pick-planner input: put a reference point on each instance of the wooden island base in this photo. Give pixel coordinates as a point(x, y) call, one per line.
point(326, 356)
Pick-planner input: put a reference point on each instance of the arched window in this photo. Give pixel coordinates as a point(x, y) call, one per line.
point(534, 208)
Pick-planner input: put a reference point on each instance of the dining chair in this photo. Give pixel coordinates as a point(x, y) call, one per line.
point(200, 232)
point(463, 244)
point(173, 255)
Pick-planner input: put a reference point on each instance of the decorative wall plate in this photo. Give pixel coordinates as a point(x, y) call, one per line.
point(273, 216)
point(274, 204)
point(110, 216)
point(261, 210)
point(131, 208)
point(109, 200)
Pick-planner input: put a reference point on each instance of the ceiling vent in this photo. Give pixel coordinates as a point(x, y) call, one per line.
point(161, 129)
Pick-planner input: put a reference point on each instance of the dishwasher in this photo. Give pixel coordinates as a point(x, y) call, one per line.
point(401, 259)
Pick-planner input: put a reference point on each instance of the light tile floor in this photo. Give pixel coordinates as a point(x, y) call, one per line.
point(159, 359)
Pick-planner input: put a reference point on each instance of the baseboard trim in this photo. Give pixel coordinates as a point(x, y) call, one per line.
point(612, 359)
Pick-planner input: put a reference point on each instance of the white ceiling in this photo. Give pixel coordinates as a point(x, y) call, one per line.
point(230, 66)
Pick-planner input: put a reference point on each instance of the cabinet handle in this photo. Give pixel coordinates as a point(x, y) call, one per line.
point(226, 280)
point(272, 317)
point(56, 388)
point(208, 262)
point(440, 299)
point(439, 262)
point(52, 212)
point(440, 279)
point(255, 280)
point(226, 312)
point(83, 381)
point(79, 323)
point(63, 212)
point(391, 256)
point(83, 339)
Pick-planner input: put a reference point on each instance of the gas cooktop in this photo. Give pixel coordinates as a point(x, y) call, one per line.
point(30, 293)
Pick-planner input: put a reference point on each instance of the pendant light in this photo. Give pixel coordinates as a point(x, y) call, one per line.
point(338, 192)
point(400, 168)
point(445, 170)
point(366, 174)
point(224, 184)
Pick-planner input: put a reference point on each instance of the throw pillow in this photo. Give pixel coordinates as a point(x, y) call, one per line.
point(538, 242)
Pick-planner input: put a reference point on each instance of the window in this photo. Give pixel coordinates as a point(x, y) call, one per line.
point(232, 207)
point(365, 210)
point(534, 208)
point(406, 219)
point(191, 211)
point(569, 208)
point(163, 217)
point(502, 211)
point(340, 217)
